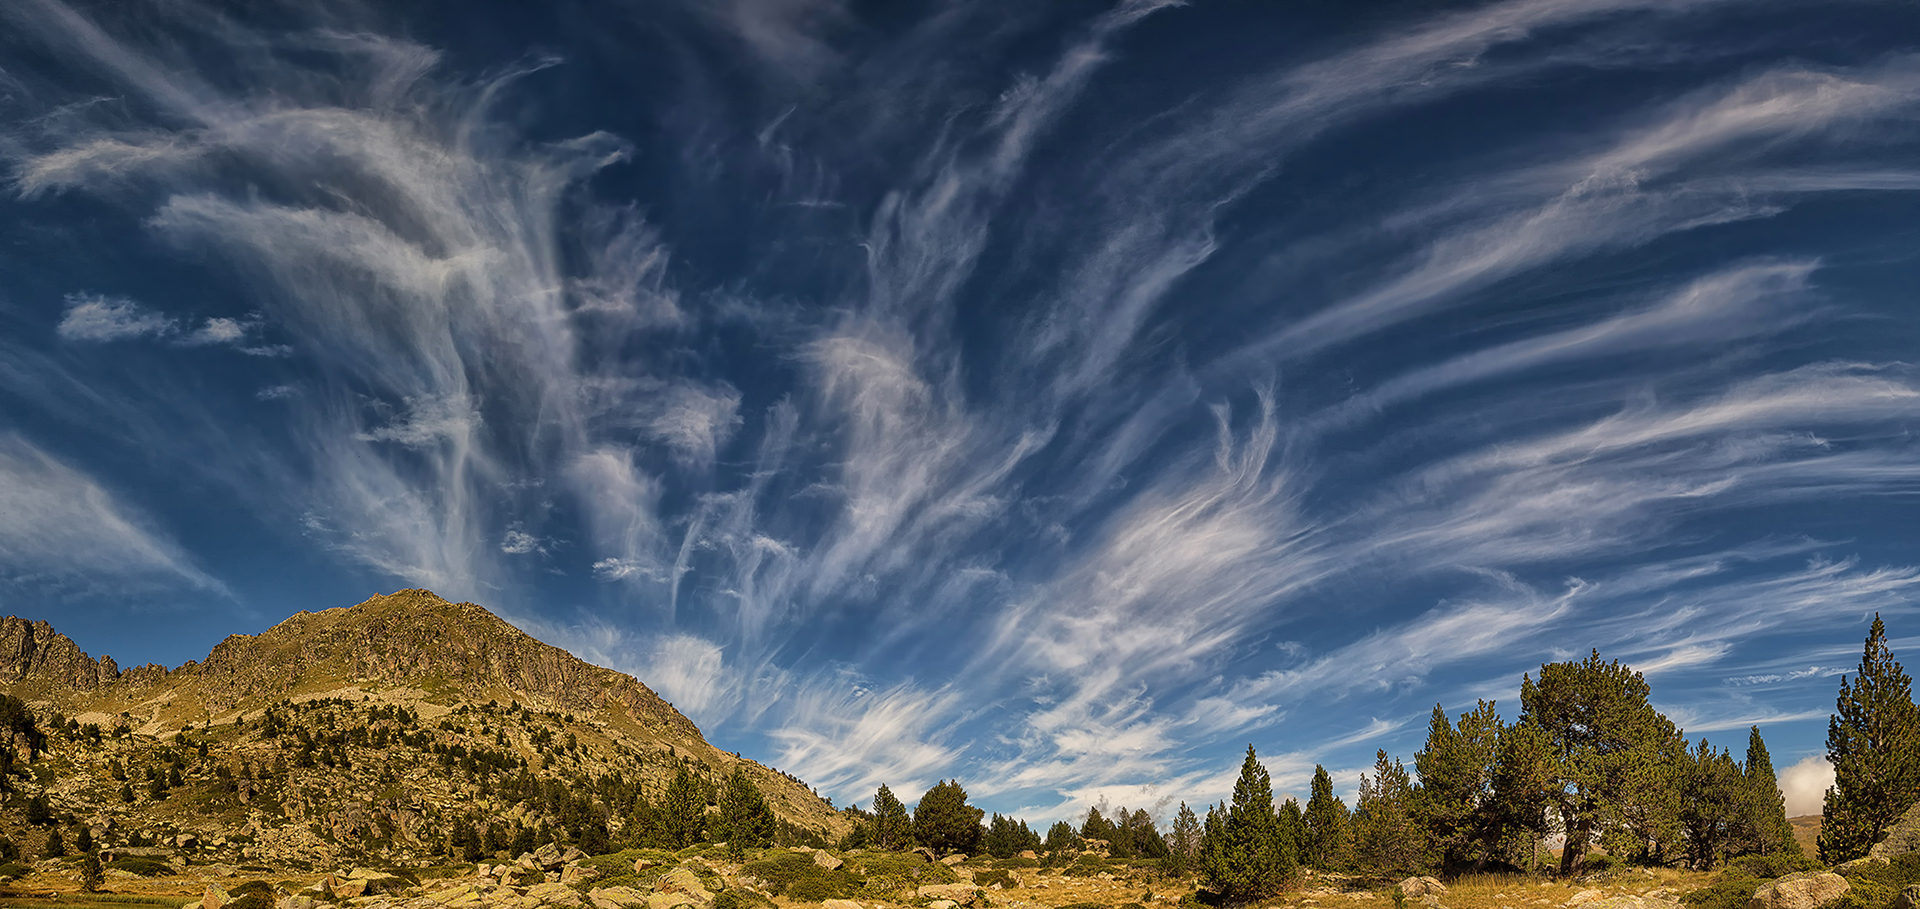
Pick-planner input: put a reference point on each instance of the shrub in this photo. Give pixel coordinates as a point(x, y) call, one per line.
point(1000, 876)
point(1774, 866)
point(1087, 865)
point(824, 885)
point(14, 871)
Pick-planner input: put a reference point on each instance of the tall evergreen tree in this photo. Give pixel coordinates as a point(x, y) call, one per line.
point(1522, 775)
point(1872, 742)
point(744, 820)
point(1766, 809)
point(1061, 838)
point(683, 810)
point(1386, 836)
point(1614, 757)
point(944, 822)
point(892, 829)
point(1183, 841)
point(1713, 805)
point(1327, 838)
point(1456, 786)
point(1247, 857)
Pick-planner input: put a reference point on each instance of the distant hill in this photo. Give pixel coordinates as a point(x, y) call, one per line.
point(361, 732)
point(1806, 831)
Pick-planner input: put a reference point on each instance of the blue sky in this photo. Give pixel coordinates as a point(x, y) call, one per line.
point(1055, 396)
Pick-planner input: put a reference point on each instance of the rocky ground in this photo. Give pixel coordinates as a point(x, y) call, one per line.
point(711, 878)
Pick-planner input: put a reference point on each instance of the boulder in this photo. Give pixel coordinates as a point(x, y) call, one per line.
point(672, 900)
point(1806, 890)
point(1421, 886)
point(925, 853)
point(1908, 898)
point(680, 880)
point(952, 860)
point(348, 888)
point(574, 874)
point(552, 894)
point(215, 897)
point(1584, 897)
point(963, 894)
point(1029, 854)
point(293, 902)
point(1902, 838)
point(548, 857)
point(641, 864)
point(943, 904)
point(616, 898)
point(821, 858)
point(840, 904)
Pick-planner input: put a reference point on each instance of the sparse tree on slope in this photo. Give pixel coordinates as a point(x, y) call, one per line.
point(892, 829)
point(744, 821)
point(1245, 856)
point(1328, 841)
point(1872, 741)
point(683, 810)
point(1183, 842)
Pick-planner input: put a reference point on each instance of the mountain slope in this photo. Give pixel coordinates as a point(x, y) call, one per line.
point(376, 726)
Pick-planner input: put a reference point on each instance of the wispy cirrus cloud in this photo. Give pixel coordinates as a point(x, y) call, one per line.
point(60, 530)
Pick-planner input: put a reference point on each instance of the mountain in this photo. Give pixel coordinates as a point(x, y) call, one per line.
point(374, 731)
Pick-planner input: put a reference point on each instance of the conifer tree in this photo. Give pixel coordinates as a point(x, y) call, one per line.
point(892, 829)
point(1872, 740)
point(1387, 836)
point(1061, 838)
point(1713, 805)
point(1183, 842)
point(1095, 826)
point(683, 810)
point(1247, 857)
point(944, 822)
point(1456, 786)
point(56, 846)
point(1614, 757)
point(744, 820)
point(91, 874)
point(1766, 809)
point(1327, 837)
point(1522, 773)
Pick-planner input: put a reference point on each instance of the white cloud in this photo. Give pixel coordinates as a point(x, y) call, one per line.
point(429, 420)
point(1804, 785)
point(100, 319)
point(517, 542)
point(60, 527)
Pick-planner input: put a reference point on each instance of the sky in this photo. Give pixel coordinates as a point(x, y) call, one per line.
point(1059, 397)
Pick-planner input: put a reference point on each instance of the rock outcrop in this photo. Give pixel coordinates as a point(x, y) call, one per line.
point(1806, 890)
point(1902, 838)
point(34, 652)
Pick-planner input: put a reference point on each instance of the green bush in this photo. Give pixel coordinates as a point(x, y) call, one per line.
point(824, 885)
point(140, 865)
point(1774, 866)
point(1875, 886)
point(1729, 891)
point(1000, 876)
point(892, 873)
point(1087, 865)
point(252, 887)
point(14, 871)
point(254, 900)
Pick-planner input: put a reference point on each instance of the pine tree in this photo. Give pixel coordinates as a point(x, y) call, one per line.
point(892, 829)
point(91, 874)
point(1387, 838)
point(1872, 742)
point(83, 840)
point(683, 810)
point(744, 821)
point(1713, 805)
point(1061, 838)
point(1615, 758)
point(1766, 810)
point(1327, 837)
point(56, 847)
point(1247, 857)
point(944, 822)
point(1522, 775)
point(1456, 786)
point(1183, 843)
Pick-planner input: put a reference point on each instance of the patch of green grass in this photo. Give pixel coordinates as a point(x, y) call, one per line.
point(140, 865)
point(1000, 876)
